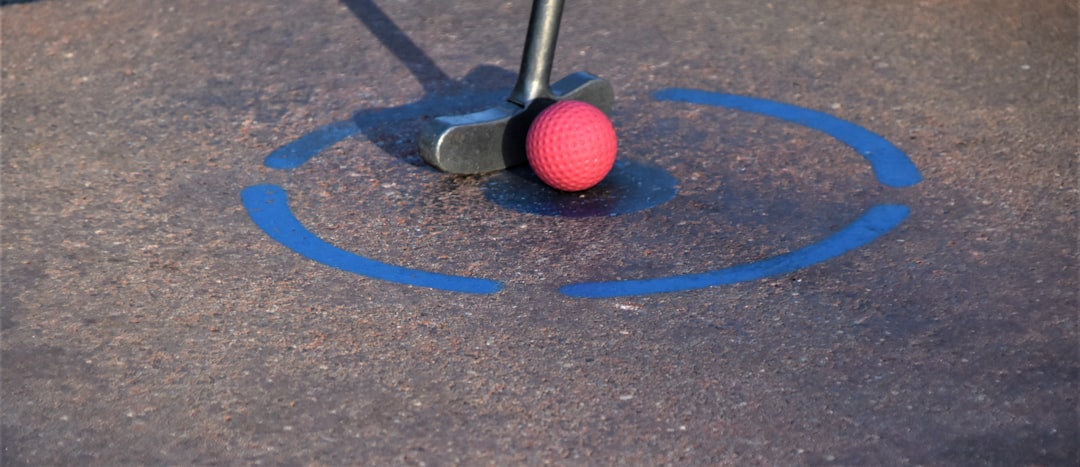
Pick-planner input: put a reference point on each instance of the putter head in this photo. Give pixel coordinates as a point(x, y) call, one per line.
point(494, 139)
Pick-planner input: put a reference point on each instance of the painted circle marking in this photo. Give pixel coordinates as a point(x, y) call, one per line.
point(891, 166)
point(268, 206)
point(269, 209)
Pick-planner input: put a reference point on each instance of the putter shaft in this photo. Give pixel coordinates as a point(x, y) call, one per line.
point(534, 78)
point(494, 139)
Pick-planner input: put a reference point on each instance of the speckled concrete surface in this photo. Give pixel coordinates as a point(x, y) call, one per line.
point(147, 320)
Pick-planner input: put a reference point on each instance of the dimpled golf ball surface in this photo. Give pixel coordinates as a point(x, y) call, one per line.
point(571, 146)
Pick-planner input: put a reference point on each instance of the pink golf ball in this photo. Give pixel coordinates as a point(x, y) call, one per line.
point(571, 146)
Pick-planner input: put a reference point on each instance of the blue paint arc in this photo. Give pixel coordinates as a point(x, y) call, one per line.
point(874, 223)
point(296, 153)
point(890, 165)
point(268, 206)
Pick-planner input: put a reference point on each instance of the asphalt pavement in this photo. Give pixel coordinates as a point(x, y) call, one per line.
point(838, 233)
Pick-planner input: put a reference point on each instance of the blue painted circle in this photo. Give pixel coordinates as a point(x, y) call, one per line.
point(891, 166)
point(874, 223)
point(268, 207)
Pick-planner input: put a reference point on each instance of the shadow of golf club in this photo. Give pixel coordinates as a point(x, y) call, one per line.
point(385, 127)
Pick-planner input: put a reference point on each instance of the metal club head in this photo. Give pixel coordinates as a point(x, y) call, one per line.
point(494, 139)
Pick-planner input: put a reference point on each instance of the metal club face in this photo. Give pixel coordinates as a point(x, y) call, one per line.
point(494, 139)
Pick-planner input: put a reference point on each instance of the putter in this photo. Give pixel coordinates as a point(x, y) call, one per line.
point(494, 139)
